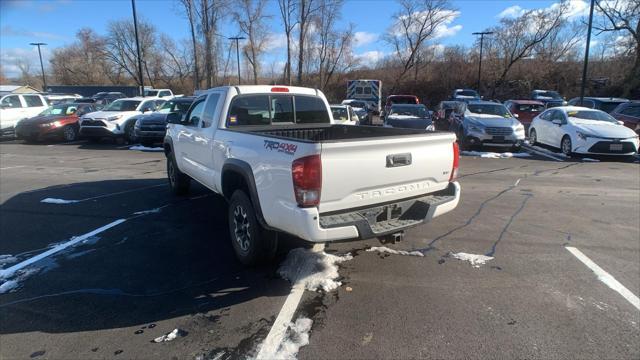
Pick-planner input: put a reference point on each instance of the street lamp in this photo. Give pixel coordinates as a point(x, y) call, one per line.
point(482, 34)
point(586, 55)
point(237, 39)
point(44, 80)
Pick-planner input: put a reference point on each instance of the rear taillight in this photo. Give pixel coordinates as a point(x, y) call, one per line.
point(456, 161)
point(307, 180)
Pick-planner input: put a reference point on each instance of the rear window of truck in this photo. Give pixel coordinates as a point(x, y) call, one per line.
point(255, 110)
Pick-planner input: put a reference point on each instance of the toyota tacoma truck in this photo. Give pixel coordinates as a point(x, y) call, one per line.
point(284, 167)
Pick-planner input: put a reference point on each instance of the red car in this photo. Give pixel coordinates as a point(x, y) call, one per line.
point(57, 122)
point(399, 99)
point(525, 110)
point(629, 113)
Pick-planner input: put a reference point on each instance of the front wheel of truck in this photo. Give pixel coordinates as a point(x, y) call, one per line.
point(178, 181)
point(251, 243)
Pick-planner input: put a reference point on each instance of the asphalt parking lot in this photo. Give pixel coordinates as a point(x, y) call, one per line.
point(161, 263)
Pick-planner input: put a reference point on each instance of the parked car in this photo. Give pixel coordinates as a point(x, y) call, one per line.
point(361, 109)
point(399, 99)
point(629, 114)
point(344, 114)
point(412, 116)
point(159, 93)
point(113, 120)
point(151, 128)
point(549, 98)
point(59, 121)
point(446, 112)
point(106, 98)
point(465, 95)
point(15, 107)
point(524, 110)
point(54, 98)
point(306, 178)
point(486, 123)
point(578, 130)
point(605, 104)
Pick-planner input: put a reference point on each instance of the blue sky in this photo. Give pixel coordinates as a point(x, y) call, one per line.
point(56, 22)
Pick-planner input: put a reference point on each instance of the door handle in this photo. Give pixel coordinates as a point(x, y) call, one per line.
point(395, 160)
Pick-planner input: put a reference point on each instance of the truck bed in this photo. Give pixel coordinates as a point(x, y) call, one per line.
point(329, 133)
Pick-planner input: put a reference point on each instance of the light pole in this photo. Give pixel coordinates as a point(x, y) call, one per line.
point(135, 28)
point(44, 80)
point(237, 39)
point(482, 34)
point(586, 55)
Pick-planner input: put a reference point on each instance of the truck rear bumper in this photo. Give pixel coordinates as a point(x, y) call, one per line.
point(378, 220)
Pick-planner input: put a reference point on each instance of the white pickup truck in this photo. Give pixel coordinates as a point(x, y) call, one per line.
point(284, 167)
point(15, 107)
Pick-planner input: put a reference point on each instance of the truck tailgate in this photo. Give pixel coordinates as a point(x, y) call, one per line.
point(357, 174)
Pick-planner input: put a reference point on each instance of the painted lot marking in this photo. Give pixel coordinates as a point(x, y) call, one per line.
point(12, 167)
point(278, 330)
point(605, 277)
point(8, 272)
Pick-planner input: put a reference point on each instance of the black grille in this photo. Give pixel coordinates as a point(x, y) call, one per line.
point(604, 147)
point(90, 122)
point(153, 127)
point(499, 131)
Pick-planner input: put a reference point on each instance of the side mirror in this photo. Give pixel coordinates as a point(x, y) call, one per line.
point(516, 116)
point(557, 121)
point(620, 122)
point(174, 118)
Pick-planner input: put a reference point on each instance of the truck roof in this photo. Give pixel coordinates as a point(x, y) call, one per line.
point(262, 89)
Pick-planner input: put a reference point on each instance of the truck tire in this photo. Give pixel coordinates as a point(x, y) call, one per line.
point(251, 243)
point(178, 181)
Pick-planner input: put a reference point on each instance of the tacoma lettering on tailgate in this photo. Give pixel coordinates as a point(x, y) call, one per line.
point(391, 190)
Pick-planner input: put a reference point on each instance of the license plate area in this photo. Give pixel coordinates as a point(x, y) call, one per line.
point(498, 138)
point(615, 147)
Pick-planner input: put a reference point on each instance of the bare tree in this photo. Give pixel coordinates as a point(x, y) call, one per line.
point(624, 16)
point(415, 23)
point(209, 13)
point(287, 11)
point(306, 9)
point(251, 19)
point(190, 11)
point(121, 46)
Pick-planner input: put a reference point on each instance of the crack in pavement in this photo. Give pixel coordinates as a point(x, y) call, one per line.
point(506, 227)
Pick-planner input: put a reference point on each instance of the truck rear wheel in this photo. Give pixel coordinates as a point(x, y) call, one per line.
point(251, 243)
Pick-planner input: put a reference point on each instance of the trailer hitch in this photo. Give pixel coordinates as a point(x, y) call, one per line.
point(392, 238)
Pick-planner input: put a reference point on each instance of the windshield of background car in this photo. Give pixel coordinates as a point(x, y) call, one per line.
point(403, 100)
point(591, 115)
point(122, 105)
point(357, 104)
point(61, 109)
point(418, 111)
point(530, 108)
point(467, 93)
point(175, 106)
point(549, 94)
point(340, 113)
point(489, 109)
point(151, 93)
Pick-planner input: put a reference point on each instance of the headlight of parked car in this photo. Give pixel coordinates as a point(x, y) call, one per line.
point(476, 128)
point(113, 118)
point(431, 128)
point(137, 125)
point(585, 136)
point(519, 128)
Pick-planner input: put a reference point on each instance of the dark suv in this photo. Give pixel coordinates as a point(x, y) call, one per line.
point(605, 104)
point(150, 128)
point(629, 113)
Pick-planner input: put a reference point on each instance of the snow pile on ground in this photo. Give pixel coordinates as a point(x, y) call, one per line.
point(167, 337)
point(494, 155)
point(384, 249)
point(590, 160)
point(474, 259)
point(547, 151)
point(297, 337)
point(58, 201)
point(145, 148)
point(316, 270)
point(146, 212)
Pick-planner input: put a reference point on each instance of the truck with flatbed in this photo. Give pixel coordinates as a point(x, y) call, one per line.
point(274, 153)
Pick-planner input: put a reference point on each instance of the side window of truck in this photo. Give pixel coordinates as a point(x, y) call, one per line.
point(282, 109)
point(195, 113)
point(33, 101)
point(249, 110)
point(11, 101)
point(210, 110)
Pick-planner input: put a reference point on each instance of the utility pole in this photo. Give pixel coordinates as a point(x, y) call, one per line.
point(482, 34)
point(237, 39)
point(135, 27)
point(44, 80)
point(586, 55)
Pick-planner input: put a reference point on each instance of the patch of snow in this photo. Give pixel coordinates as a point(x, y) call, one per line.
point(590, 160)
point(58, 201)
point(494, 155)
point(315, 270)
point(474, 259)
point(384, 249)
point(146, 212)
point(297, 337)
point(7, 286)
point(547, 151)
point(167, 337)
point(7, 259)
point(145, 148)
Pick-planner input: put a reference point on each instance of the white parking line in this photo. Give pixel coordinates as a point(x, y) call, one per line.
point(63, 201)
point(278, 330)
point(12, 167)
point(8, 272)
point(605, 277)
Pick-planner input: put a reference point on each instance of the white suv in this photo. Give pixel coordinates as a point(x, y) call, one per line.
point(15, 107)
point(115, 120)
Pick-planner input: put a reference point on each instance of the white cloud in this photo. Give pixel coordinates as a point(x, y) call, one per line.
point(35, 35)
point(511, 12)
point(443, 31)
point(10, 57)
point(362, 38)
point(370, 58)
point(276, 41)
